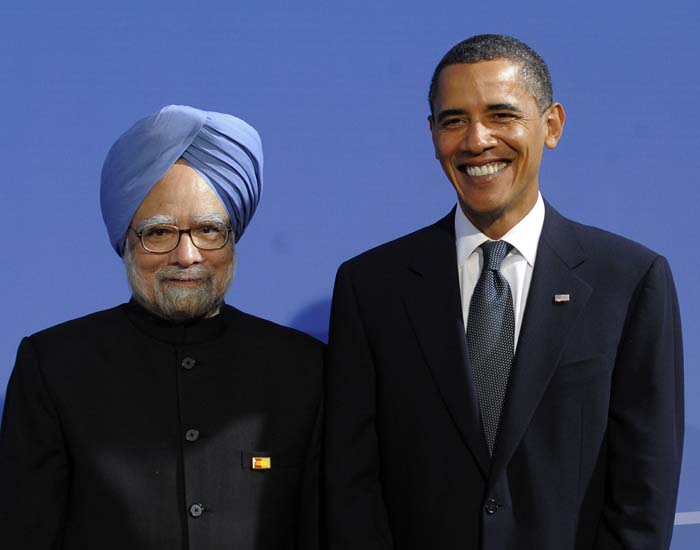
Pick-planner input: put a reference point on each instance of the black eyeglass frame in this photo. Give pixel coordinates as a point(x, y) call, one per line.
point(139, 234)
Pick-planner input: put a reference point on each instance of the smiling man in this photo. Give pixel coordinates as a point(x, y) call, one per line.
point(160, 284)
point(505, 378)
point(174, 421)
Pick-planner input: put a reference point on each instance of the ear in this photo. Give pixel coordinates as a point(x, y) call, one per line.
point(431, 125)
point(555, 124)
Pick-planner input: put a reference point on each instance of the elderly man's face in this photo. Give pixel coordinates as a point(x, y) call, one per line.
point(489, 134)
point(188, 282)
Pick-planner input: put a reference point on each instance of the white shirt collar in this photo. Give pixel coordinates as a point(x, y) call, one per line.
point(524, 236)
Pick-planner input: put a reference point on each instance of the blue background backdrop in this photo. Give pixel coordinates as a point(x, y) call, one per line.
point(338, 94)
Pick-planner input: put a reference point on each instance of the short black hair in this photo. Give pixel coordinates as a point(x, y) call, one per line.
point(489, 47)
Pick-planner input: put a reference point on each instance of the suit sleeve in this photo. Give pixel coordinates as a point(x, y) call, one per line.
point(356, 515)
point(33, 464)
point(310, 528)
point(646, 421)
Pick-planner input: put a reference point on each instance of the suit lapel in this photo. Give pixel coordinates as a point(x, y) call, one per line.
point(545, 329)
point(433, 304)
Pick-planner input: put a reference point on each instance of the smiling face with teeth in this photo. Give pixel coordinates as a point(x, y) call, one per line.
point(489, 134)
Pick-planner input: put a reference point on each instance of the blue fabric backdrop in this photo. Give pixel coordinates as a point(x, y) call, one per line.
point(338, 94)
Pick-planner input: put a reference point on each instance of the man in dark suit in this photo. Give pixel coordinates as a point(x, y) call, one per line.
point(505, 378)
point(175, 421)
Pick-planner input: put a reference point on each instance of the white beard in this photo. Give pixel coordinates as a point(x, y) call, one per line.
point(175, 302)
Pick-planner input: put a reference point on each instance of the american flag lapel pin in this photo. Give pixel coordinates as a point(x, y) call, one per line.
point(562, 298)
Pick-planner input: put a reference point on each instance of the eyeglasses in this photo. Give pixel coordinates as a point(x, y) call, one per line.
point(161, 238)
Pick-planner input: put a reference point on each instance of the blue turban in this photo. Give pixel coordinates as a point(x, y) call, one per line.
point(223, 149)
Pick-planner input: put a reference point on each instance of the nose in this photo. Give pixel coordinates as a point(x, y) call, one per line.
point(478, 138)
point(186, 253)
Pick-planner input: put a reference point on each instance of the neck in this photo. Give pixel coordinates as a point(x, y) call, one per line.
point(495, 224)
point(173, 315)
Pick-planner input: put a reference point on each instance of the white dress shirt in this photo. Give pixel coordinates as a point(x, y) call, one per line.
point(517, 266)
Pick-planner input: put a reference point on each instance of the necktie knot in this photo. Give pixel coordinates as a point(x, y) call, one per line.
point(494, 252)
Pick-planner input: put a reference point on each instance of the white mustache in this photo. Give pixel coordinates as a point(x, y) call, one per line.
point(195, 273)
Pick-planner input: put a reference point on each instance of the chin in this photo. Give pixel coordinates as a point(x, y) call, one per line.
point(482, 206)
point(183, 303)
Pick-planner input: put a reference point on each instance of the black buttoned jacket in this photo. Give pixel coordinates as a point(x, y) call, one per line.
point(122, 431)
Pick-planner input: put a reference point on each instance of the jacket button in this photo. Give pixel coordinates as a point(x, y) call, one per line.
point(188, 363)
point(196, 510)
point(192, 435)
point(491, 507)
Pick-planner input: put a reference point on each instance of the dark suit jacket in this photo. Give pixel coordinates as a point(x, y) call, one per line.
point(589, 447)
point(118, 423)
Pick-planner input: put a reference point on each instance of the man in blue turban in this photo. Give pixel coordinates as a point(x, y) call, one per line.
point(173, 421)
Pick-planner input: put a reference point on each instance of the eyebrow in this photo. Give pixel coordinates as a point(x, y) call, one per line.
point(156, 220)
point(218, 218)
point(442, 115)
point(160, 219)
point(503, 107)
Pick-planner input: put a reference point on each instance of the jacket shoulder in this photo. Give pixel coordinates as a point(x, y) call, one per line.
point(271, 333)
point(106, 321)
point(399, 250)
point(595, 235)
point(600, 256)
point(600, 243)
